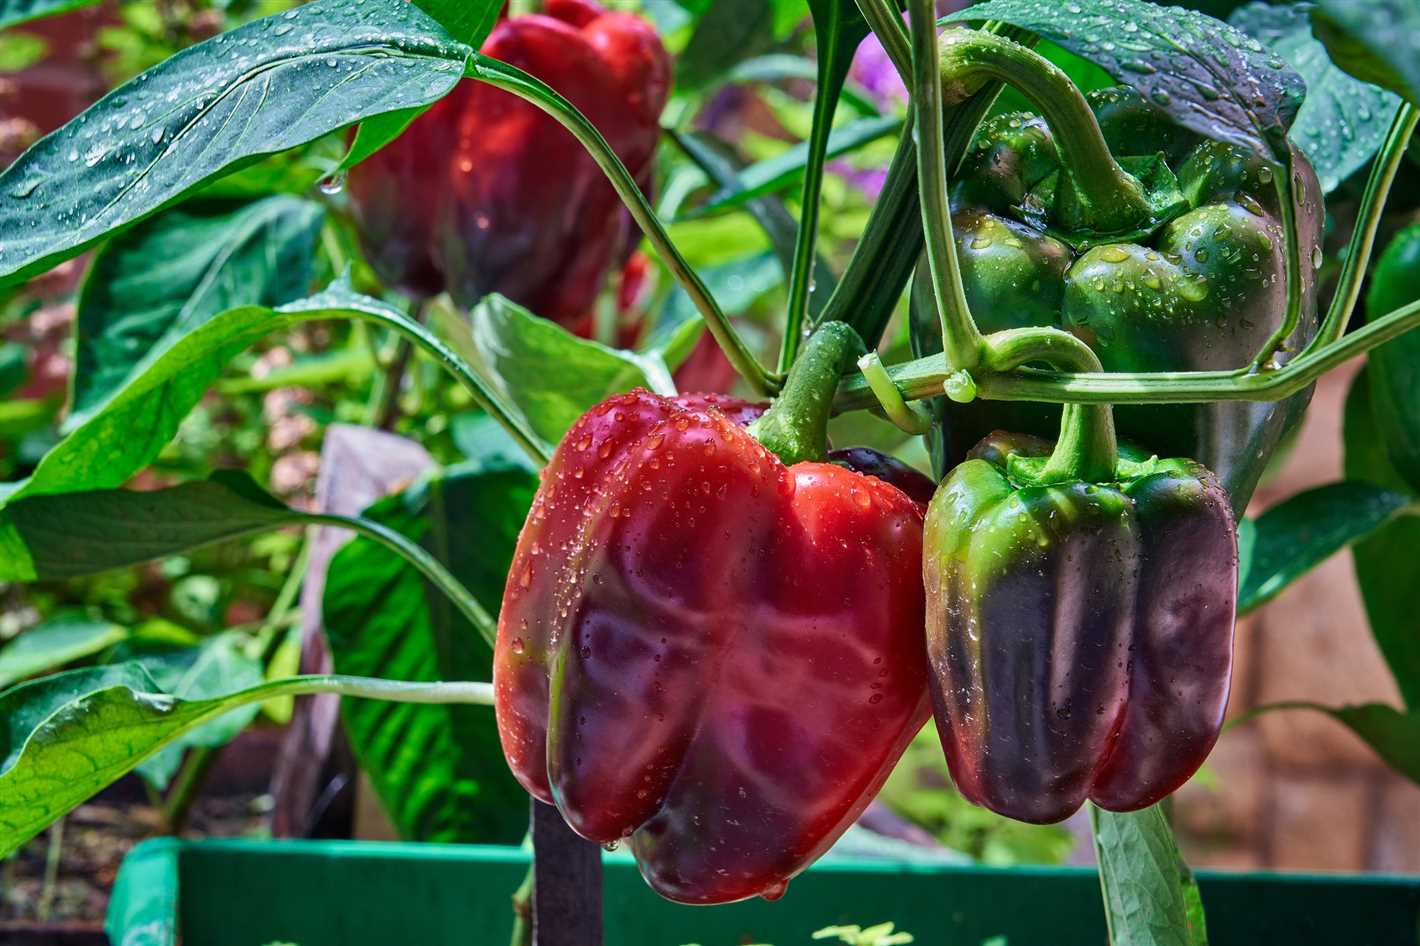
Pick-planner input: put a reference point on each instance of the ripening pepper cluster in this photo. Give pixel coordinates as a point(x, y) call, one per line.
point(711, 644)
point(718, 635)
point(486, 193)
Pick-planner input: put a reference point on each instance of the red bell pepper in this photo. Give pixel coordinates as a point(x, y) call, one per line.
point(709, 650)
point(486, 193)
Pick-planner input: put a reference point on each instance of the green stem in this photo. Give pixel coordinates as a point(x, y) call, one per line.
point(1368, 219)
point(449, 360)
point(834, 39)
point(428, 566)
point(961, 340)
point(510, 79)
point(886, 23)
point(1110, 199)
point(795, 428)
point(1086, 448)
point(1287, 191)
point(924, 377)
point(191, 778)
point(910, 418)
point(53, 858)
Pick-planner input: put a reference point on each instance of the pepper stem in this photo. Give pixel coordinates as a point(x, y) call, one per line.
point(1109, 199)
point(1087, 449)
point(795, 428)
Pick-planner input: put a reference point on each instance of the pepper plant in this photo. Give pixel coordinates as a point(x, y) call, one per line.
point(717, 632)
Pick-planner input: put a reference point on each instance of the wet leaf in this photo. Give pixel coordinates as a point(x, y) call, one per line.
point(270, 85)
point(1206, 75)
point(1377, 41)
point(1343, 121)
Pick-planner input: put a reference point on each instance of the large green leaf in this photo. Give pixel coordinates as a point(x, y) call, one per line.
point(727, 32)
point(175, 271)
point(438, 769)
point(270, 85)
point(549, 374)
point(62, 639)
point(134, 424)
point(1150, 897)
point(1373, 40)
point(1295, 536)
point(83, 533)
point(215, 667)
point(19, 11)
point(1343, 121)
point(65, 737)
point(1208, 76)
point(1394, 368)
point(1387, 568)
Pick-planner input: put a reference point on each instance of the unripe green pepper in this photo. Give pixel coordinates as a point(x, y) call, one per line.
point(1079, 622)
point(1201, 287)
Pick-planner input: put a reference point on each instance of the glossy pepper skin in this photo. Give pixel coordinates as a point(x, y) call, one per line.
point(1202, 290)
point(486, 193)
point(1079, 634)
point(707, 652)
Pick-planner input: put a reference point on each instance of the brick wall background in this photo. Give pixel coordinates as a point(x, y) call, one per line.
point(1293, 789)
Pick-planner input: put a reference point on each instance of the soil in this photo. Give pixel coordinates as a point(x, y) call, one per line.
point(96, 836)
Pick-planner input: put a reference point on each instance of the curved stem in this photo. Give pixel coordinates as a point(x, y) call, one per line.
point(428, 566)
point(1287, 191)
point(1086, 448)
point(510, 79)
point(1110, 198)
point(910, 418)
point(795, 428)
point(924, 377)
point(1368, 219)
point(961, 340)
point(451, 362)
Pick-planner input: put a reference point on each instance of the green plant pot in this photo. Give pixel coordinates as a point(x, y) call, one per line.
point(352, 893)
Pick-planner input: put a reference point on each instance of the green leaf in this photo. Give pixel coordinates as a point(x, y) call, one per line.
point(550, 375)
point(62, 639)
point(270, 85)
point(216, 667)
point(65, 737)
point(727, 32)
point(66, 536)
point(1296, 535)
point(128, 431)
point(290, 172)
point(1150, 897)
point(20, 11)
point(1392, 734)
point(175, 271)
point(438, 769)
point(723, 168)
point(1394, 368)
point(1387, 568)
point(1206, 75)
point(1343, 121)
point(787, 168)
point(468, 21)
point(1374, 40)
